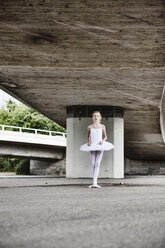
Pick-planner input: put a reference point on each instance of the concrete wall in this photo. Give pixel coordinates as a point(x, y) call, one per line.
point(42, 167)
point(144, 167)
point(131, 167)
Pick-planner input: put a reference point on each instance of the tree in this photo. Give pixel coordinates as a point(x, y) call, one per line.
point(23, 116)
point(20, 115)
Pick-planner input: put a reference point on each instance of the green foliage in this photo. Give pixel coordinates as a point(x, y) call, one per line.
point(23, 167)
point(23, 116)
point(8, 164)
point(4, 164)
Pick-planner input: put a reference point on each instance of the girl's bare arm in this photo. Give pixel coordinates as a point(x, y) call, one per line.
point(105, 133)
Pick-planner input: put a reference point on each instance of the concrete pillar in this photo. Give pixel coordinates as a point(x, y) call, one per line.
point(78, 164)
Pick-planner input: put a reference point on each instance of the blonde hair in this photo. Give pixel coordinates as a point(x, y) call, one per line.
point(96, 111)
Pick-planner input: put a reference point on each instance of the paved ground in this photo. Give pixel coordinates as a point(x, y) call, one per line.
point(58, 212)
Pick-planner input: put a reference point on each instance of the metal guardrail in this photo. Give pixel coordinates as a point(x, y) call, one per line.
point(31, 130)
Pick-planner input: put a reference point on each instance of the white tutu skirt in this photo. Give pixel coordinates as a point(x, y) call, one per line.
point(106, 146)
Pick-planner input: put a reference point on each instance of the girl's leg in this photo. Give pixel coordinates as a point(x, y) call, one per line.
point(93, 158)
point(98, 158)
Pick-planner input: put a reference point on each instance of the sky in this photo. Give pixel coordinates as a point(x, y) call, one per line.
point(4, 97)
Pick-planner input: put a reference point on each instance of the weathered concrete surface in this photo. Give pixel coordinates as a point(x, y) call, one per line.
point(46, 167)
point(76, 216)
point(144, 167)
point(9, 149)
point(7, 181)
point(56, 54)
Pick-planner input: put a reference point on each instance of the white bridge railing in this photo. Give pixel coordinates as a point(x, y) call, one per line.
point(34, 131)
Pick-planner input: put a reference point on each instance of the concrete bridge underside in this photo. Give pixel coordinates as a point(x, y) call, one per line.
point(40, 152)
point(58, 53)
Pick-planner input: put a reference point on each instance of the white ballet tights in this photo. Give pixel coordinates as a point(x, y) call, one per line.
point(96, 157)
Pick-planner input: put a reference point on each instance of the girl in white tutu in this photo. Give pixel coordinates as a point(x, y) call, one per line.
point(96, 145)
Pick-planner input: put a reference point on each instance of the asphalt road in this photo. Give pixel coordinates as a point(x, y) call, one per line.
point(76, 216)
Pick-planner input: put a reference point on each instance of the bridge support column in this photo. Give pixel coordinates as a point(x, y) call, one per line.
point(78, 164)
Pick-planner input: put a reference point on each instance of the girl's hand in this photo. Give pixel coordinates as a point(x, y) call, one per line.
point(89, 143)
point(101, 142)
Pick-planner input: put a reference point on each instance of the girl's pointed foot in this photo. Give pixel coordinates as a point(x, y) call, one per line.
point(90, 186)
point(97, 186)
